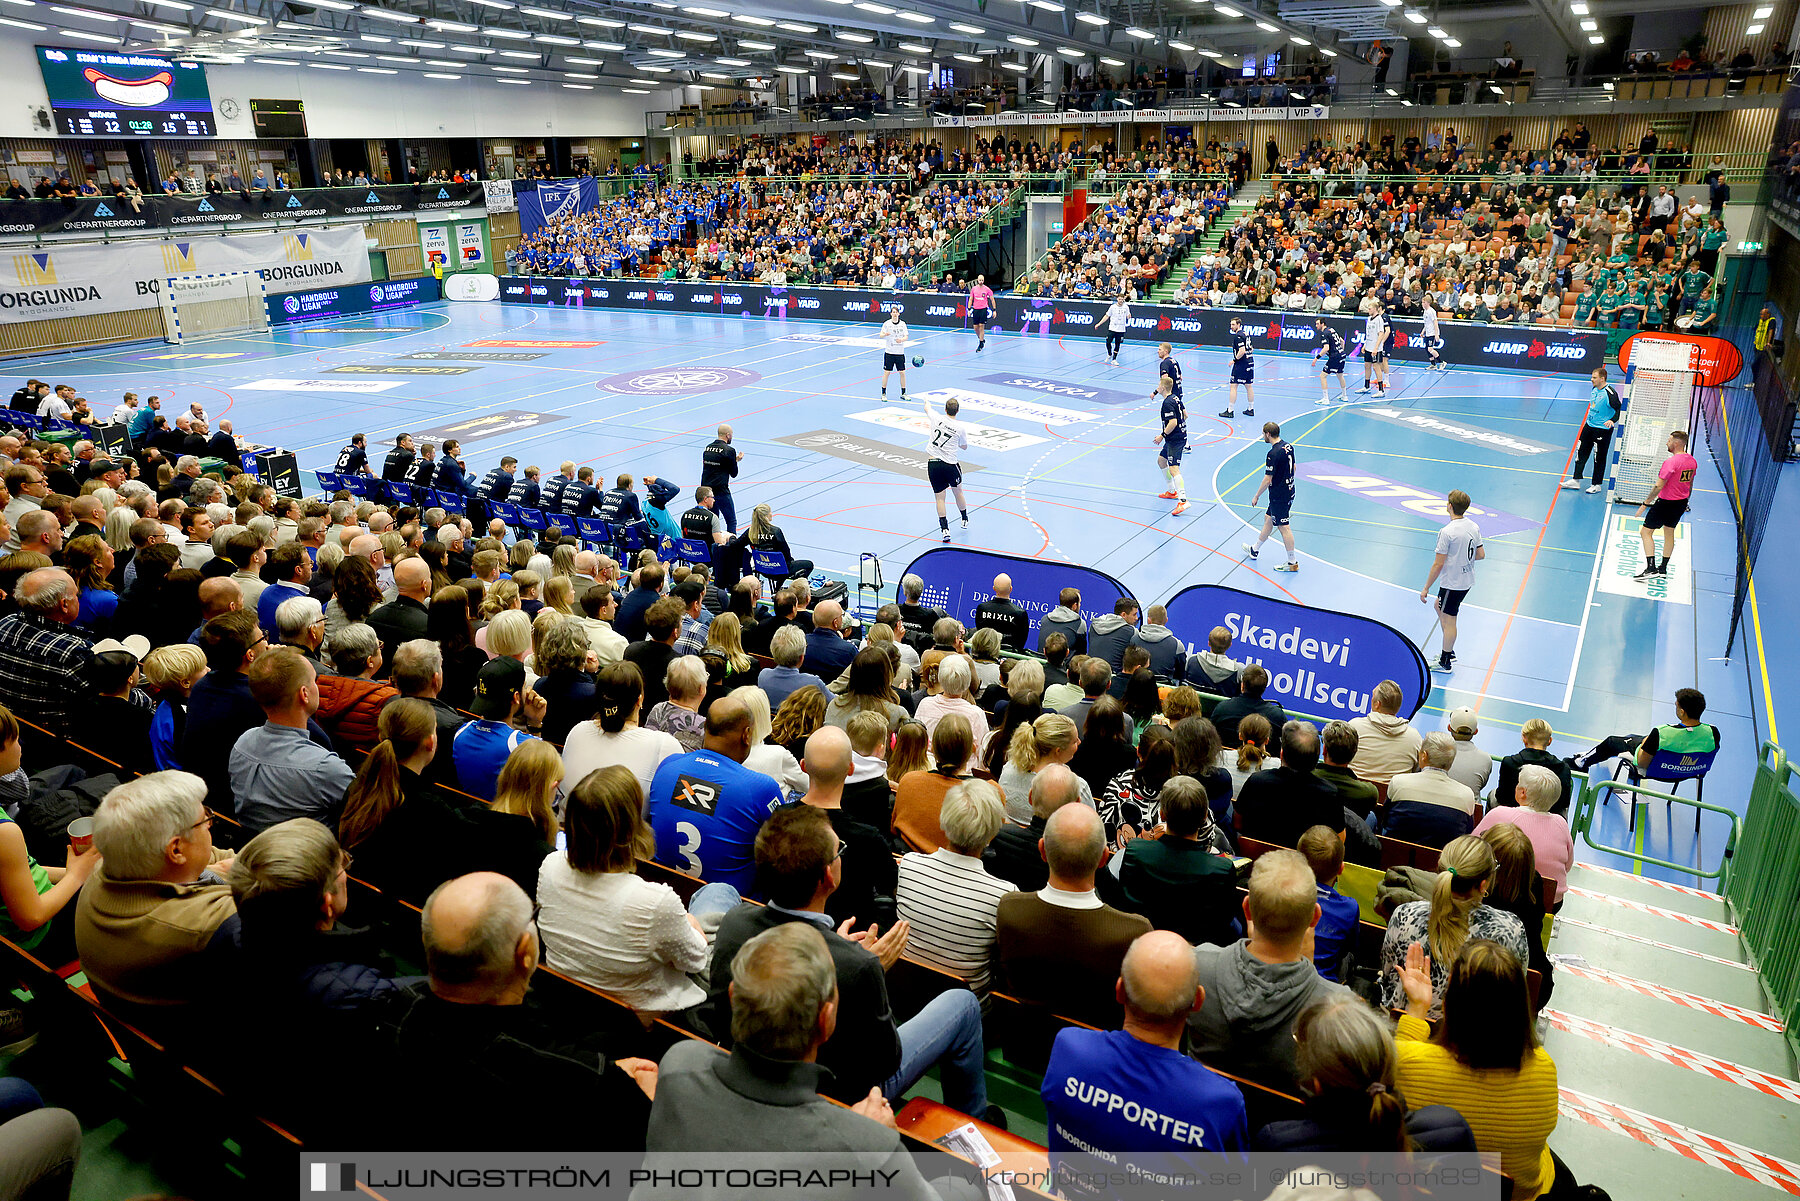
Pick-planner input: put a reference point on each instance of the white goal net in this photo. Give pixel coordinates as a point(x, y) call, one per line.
point(212, 306)
point(1658, 401)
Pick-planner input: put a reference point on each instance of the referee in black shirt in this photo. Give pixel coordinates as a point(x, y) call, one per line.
point(718, 466)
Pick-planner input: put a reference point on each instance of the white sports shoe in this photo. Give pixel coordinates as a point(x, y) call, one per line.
point(1593, 488)
point(1570, 484)
point(1323, 400)
point(1250, 549)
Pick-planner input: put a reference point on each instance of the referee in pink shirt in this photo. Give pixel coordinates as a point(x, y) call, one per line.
point(1667, 502)
point(981, 310)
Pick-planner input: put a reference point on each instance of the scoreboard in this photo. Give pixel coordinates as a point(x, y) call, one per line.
point(124, 94)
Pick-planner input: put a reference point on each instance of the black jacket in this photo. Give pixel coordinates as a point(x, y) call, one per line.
point(1006, 616)
point(718, 466)
point(398, 462)
point(1234, 709)
point(865, 1051)
point(871, 874)
point(400, 620)
point(1278, 805)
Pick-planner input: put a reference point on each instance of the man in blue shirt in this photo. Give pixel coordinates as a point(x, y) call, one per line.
point(706, 806)
point(1109, 1094)
point(1603, 413)
point(482, 746)
point(293, 571)
point(1338, 914)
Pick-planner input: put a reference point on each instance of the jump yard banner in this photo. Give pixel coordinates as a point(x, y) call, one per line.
point(1320, 662)
point(1525, 348)
point(957, 581)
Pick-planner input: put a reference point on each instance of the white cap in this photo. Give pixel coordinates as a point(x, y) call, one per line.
point(135, 645)
point(1462, 719)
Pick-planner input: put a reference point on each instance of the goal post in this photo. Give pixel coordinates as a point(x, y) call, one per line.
point(213, 306)
point(1659, 398)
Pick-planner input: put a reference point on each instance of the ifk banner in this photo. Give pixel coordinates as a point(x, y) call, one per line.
point(1321, 662)
point(551, 201)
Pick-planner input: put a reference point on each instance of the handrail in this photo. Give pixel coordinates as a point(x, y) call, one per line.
point(1765, 887)
point(1588, 803)
point(971, 235)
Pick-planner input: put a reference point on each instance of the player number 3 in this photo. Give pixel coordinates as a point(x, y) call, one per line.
point(690, 843)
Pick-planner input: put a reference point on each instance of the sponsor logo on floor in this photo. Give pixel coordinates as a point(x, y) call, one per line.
point(320, 385)
point(840, 340)
point(1457, 431)
point(1006, 406)
point(901, 460)
point(475, 356)
point(537, 344)
point(675, 381)
point(397, 369)
point(1625, 558)
point(1057, 387)
point(197, 355)
point(987, 437)
point(1406, 498)
point(488, 425)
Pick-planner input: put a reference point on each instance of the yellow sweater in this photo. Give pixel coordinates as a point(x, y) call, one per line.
point(1512, 1113)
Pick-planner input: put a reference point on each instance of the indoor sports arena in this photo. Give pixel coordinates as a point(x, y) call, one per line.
point(1063, 599)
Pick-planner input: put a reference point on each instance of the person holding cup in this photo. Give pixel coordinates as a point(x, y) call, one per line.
point(32, 893)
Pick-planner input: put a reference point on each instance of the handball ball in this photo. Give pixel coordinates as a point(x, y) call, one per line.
point(918, 360)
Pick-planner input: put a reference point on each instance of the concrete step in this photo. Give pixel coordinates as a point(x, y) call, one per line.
point(1717, 1033)
point(1658, 923)
point(1694, 901)
point(1626, 1167)
point(1613, 951)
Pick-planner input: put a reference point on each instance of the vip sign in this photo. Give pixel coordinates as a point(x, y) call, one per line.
point(985, 437)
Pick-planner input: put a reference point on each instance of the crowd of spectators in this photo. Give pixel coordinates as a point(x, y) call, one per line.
point(1129, 245)
point(619, 234)
point(508, 733)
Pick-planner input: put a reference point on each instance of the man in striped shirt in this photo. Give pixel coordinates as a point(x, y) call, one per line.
point(947, 897)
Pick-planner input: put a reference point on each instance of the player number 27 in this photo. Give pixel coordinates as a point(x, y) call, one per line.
point(690, 844)
point(940, 439)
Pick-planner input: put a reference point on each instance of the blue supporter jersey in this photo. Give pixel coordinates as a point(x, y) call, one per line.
point(479, 750)
point(1338, 915)
point(705, 810)
point(1108, 1095)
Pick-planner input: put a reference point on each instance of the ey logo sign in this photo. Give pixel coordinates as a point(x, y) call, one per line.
point(178, 257)
point(331, 1178)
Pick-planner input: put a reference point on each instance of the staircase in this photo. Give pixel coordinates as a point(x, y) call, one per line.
point(1676, 1082)
point(1245, 200)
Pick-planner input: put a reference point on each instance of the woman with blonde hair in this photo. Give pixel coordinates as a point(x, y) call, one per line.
point(562, 561)
point(726, 636)
point(1051, 738)
point(530, 787)
point(1348, 1067)
point(765, 535)
point(496, 599)
point(766, 755)
point(910, 750)
point(509, 637)
point(1246, 759)
point(604, 924)
point(519, 557)
point(171, 672)
point(1454, 915)
point(559, 596)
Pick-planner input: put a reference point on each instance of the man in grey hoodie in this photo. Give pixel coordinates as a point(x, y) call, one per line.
point(1111, 633)
point(1213, 670)
point(1256, 987)
point(1066, 620)
point(1167, 654)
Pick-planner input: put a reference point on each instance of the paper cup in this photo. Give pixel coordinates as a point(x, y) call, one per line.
point(81, 834)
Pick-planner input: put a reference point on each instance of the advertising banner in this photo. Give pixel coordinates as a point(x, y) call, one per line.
point(1320, 662)
point(499, 194)
point(81, 279)
point(958, 580)
point(327, 303)
point(434, 240)
point(108, 214)
point(1718, 364)
point(1557, 351)
point(471, 247)
point(551, 200)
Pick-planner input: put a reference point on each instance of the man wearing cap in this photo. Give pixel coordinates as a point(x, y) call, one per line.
point(1473, 765)
point(482, 746)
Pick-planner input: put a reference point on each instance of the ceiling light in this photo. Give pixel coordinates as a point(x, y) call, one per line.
point(714, 75)
point(347, 54)
point(847, 36)
point(1111, 62)
point(1453, 43)
point(656, 29)
point(548, 14)
point(502, 5)
point(369, 37)
point(578, 75)
point(85, 36)
point(1417, 18)
point(517, 83)
point(909, 47)
point(511, 35)
point(1590, 25)
point(580, 87)
point(1071, 52)
point(1024, 67)
point(694, 35)
point(1180, 45)
point(452, 27)
point(1437, 33)
point(785, 70)
point(1579, 8)
point(1754, 30)
point(508, 70)
point(1266, 27)
point(1298, 40)
point(820, 53)
point(529, 54)
point(880, 10)
point(328, 66)
point(912, 70)
point(1595, 39)
point(846, 76)
point(369, 10)
point(635, 91)
point(422, 45)
point(706, 12)
point(968, 58)
point(1016, 40)
point(171, 30)
point(759, 22)
point(755, 46)
point(1135, 32)
point(1091, 19)
point(652, 68)
point(614, 47)
point(376, 71)
point(225, 14)
point(916, 18)
point(1328, 52)
point(278, 62)
point(1049, 6)
point(1226, 10)
point(648, 83)
point(667, 53)
point(1607, 85)
point(796, 27)
point(82, 12)
point(1407, 103)
point(397, 58)
point(733, 62)
point(1212, 54)
point(1763, 13)
point(962, 28)
point(1390, 91)
point(600, 22)
point(555, 39)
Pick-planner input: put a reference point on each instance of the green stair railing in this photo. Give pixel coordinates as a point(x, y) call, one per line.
point(1764, 885)
point(970, 237)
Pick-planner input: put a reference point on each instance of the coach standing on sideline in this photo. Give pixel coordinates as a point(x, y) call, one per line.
point(718, 466)
point(399, 459)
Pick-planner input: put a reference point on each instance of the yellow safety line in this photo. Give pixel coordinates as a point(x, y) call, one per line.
point(1762, 658)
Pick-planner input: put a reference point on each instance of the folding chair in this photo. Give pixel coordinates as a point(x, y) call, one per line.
point(594, 531)
point(329, 480)
point(771, 565)
point(449, 502)
point(1665, 767)
point(506, 511)
point(634, 537)
point(532, 519)
point(398, 491)
point(691, 550)
point(357, 485)
point(563, 524)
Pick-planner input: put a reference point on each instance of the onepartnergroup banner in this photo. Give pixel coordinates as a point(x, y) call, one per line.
point(920, 1175)
point(1466, 344)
